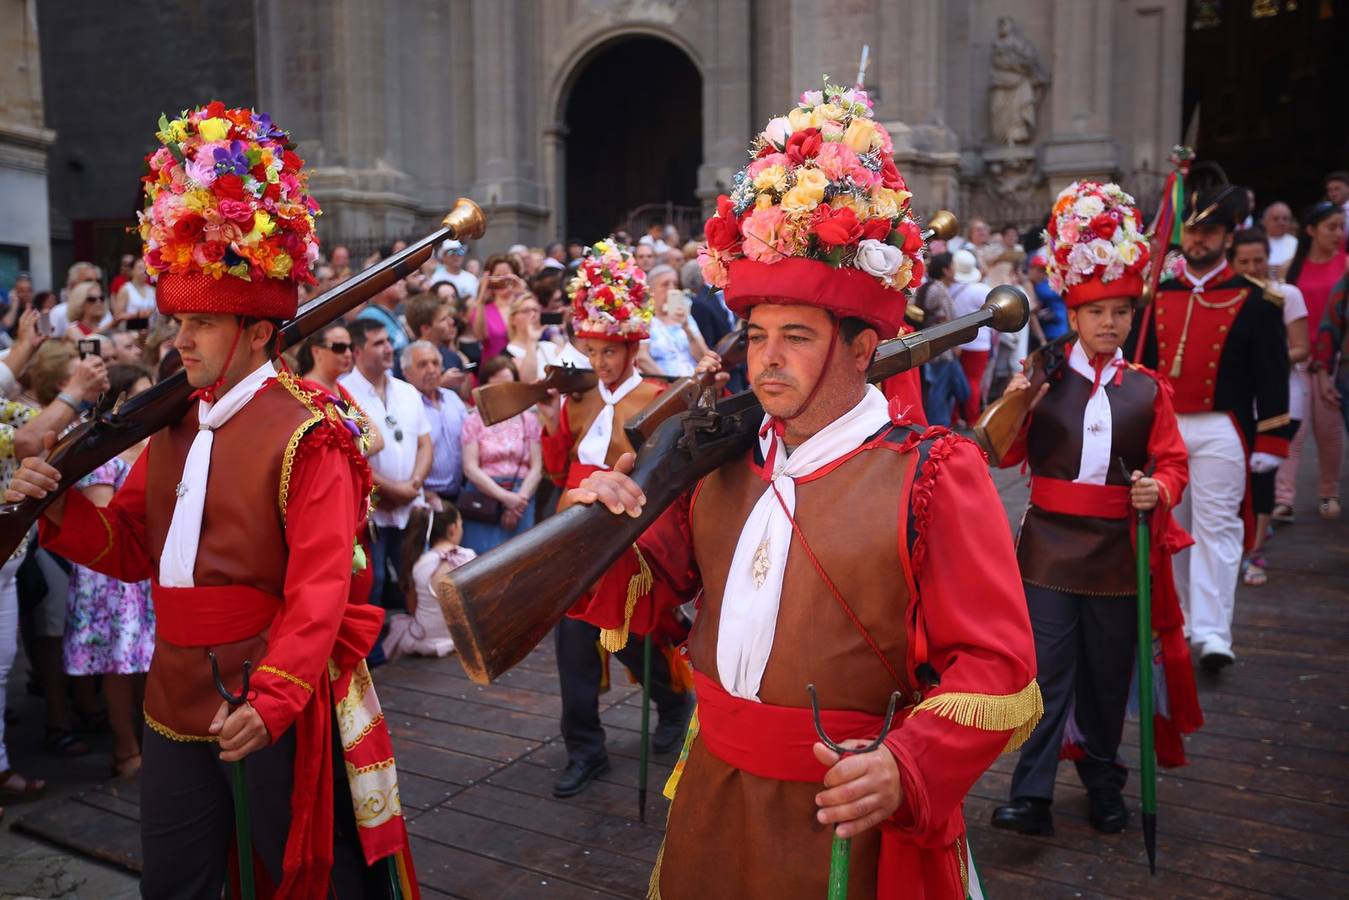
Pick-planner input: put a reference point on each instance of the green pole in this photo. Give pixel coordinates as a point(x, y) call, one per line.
point(646, 727)
point(838, 868)
point(1146, 740)
point(242, 831)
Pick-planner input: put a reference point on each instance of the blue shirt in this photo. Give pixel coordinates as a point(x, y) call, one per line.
point(447, 459)
point(1054, 313)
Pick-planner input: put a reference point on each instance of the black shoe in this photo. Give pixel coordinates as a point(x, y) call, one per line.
point(1026, 815)
point(577, 775)
point(1106, 810)
point(669, 733)
point(1215, 662)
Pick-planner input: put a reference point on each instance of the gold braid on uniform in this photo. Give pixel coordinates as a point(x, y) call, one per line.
point(1018, 713)
point(615, 639)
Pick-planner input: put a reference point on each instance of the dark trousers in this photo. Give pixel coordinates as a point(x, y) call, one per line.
point(578, 665)
point(384, 552)
point(1084, 650)
point(187, 819)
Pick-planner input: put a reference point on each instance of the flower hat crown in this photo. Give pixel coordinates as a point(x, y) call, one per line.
point(822, 186)
point(1096, 243)
point(226, 194)
point(609, 295)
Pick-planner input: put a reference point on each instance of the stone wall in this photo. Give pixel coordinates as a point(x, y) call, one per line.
point(24, 140)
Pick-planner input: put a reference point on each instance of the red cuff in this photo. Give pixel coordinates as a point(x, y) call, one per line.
point(1274, 446)
point(911, 816)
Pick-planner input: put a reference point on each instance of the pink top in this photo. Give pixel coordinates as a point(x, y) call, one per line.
point(504, 448)
point(1315, 281)
point(496, 335)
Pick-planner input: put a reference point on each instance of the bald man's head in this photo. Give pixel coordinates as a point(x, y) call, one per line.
point(1277, 220)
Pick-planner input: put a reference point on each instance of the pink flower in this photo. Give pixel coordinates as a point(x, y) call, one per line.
point(764, 162)
point(835, 160)
point(713, 267)
point(863, 177)
point(763, 234)
point(1069, 230)
point(202, 170)
point(887, 146)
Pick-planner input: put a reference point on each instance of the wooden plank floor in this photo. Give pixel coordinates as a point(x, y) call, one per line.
point(1262, 809)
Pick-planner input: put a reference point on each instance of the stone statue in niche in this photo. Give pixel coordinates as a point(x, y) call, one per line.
point(1016, 87)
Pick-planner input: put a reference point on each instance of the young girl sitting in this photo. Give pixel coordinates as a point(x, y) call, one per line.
point(430, 548)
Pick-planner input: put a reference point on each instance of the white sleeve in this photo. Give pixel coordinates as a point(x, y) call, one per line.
point(9, 387)
point(1294, 304)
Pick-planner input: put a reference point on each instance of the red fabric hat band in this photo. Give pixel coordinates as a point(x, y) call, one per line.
point(846, 292)
point(270, 298)
point(1127, 285)
point(629, 338)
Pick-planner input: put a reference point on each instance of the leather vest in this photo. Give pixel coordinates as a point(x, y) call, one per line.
point(1084, 554)
point(242, 543)
point(855, 521)
point(582, 410)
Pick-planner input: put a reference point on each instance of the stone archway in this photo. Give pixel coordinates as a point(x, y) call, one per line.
point(633, 135)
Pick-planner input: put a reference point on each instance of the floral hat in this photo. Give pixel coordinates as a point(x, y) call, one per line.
point(609, 296)
point(820, 216)
point(1097, 248)
point(228, 223)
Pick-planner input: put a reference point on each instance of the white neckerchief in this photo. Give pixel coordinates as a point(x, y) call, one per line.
point(1096, 420)
point(749, 606)
point(1200, 280)
point(179, 556)
point(594, 449)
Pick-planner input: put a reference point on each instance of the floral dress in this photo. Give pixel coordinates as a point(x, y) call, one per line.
point(110, 624)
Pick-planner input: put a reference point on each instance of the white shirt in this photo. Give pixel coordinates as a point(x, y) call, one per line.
point(1281, 250)
point(1294, 308)
point(139, 301)
point(465, 282)
point(549, 354)
point(655, 244)
point(403, 416)
point(967, 298)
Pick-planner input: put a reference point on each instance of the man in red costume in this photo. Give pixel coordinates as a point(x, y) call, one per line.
point(848, 550)
point(1102, 441)
point(244, 514)
point(583, 434)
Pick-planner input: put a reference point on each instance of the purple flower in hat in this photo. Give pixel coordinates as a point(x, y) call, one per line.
point(232, 161)
point(262, 123)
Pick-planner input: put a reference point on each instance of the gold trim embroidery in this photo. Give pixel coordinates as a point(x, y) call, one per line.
point(373, 767)
point(165, 731)
point(1273, 422)
point(107, 526)
point(615, 639)
point(1018, 713)
point(286, 380)
point(282, 673)
point(653, 886)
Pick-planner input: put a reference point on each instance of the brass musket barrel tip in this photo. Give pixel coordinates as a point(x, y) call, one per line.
point(1011, 309)
point(942, 226)
point(466, 220)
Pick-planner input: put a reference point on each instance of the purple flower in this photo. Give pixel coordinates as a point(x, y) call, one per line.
point(233, 161)
point(262, 123)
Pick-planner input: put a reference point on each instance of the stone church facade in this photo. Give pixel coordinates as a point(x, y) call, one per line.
point(403, 105)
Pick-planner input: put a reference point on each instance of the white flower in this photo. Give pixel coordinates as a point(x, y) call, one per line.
point(1127, 252)
point(1102, 251)
point(880, 260)
point(1088, 207)
point(1081, 260)
point(812, 98)
point(1113, 271)
point(777, 131)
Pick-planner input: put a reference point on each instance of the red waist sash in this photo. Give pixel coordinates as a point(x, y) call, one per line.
point(1071, 498)
point(204, 616)
point(578, 471)
point(771, 741)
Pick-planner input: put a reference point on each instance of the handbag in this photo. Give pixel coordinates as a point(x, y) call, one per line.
point(479, 506)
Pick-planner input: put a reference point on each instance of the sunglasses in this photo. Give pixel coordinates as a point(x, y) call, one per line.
point(336, 347)
point(397, 432)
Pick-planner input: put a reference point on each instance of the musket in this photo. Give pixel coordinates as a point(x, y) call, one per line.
point(104, 435)
point(1001, 420)
point(500, 605)
point(683, 393)
point(503, 400)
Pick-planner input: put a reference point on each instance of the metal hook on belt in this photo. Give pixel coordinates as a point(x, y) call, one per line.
point(839, 748)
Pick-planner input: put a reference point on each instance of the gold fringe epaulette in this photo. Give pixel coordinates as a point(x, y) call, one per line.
point(615, 639)
point(1018, 713)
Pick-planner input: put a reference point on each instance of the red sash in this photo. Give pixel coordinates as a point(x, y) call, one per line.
point(206, 616)
point(1071, 498)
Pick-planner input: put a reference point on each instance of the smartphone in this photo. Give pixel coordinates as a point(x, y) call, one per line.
point(468, 367)
point(44, 324)
point(552, 317)
point(140, 323)
point(89, 348)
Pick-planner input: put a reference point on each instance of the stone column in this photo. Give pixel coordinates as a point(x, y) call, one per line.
point(1079, 142)
point(24, 141)
point(727, 95)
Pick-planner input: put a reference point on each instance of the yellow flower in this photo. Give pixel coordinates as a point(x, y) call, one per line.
point(263, 224)
point(801, 119)
point(829, 112)
point(772, 178)
point(799, 200)
point(900, 280)
point(211, 129)
point(763, 201)
point(811, 182)
point(177, 132)
point(848, 201)
point(279, 265)
point(885, 203)
point(859, 134)
point(198, 200)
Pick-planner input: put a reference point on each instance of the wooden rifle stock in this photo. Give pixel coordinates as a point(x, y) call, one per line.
point(1002, 419)
point(500, 605)
point(683, 393)
point(104, 435)
point(506, 399)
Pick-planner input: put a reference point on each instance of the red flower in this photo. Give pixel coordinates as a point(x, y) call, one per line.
point(272, 191)
point(1061, 253)
point(765, 150)
point(890, 176)
point(876, 229)
point(835, 228)
point(259, 172)
point(215, 109)
point(580, 296)
point(155, 260)
point(919, 270)
point(229, 187)
point(213, 251)
point(622, 313)
point(188, 228)
point(637, 292)
point(804, 145)
point(237, 211)
point(722, 230)
point(913, 237)
point(605, 294)
point(291, 161)
point(1104, 226)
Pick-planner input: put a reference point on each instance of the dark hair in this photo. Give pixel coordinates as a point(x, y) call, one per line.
point(1337, 175)
point(122, 377)
point(360, 330)
point(850, 328)
point(304, 357)
point(495, 365)
point(42, 297)
point(272, 347)
point(421, 310)
point(497, 259)
point(1313, 216)
point(1249, 236)
point(417, 540)
point(937, 266)
point(170, 365)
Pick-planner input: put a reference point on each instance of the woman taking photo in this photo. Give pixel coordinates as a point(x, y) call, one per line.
point(503, 464)
point(676, 345)
point(87, 310)
point(491, 309)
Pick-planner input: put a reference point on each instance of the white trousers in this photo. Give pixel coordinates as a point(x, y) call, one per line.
point(1206, 574)
point(9, 641)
